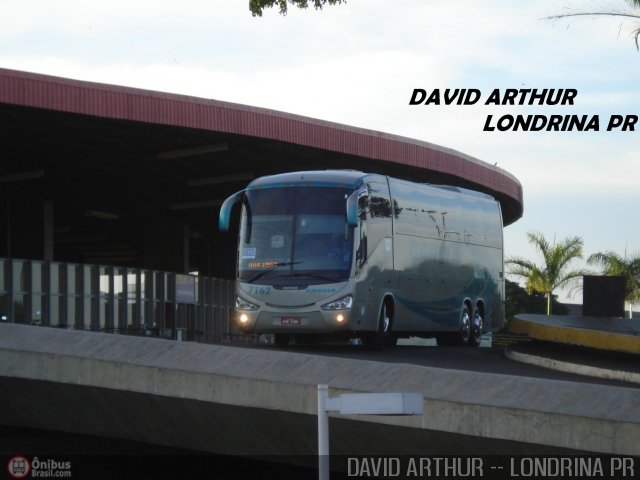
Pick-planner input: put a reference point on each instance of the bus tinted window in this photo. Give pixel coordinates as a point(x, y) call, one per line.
point(294, 233)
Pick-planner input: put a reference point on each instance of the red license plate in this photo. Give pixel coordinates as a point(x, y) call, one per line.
point(290, 321)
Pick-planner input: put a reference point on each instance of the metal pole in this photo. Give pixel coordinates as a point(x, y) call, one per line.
point(323, 433)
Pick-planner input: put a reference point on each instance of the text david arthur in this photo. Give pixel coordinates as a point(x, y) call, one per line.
point(514, 467)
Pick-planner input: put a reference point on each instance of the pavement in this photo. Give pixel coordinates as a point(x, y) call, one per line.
point(264, 401)
point(600, 347)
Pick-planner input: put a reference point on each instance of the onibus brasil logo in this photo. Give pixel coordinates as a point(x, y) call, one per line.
point(19, 467)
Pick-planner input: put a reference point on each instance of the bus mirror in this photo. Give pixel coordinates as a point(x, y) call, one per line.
point(355, 203)
point(225, 211)
point(352, 209)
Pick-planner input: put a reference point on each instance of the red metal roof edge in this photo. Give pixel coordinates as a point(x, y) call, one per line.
point(127, 103)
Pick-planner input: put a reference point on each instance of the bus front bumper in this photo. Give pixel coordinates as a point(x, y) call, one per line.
point(294, 322)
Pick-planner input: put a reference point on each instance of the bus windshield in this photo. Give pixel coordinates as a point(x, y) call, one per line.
point(294, 236)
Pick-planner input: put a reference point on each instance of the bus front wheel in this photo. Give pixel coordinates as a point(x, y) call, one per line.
point(377, 340)
point(465, 325)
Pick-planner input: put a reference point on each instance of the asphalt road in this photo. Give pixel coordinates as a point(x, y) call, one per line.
point(487, 360)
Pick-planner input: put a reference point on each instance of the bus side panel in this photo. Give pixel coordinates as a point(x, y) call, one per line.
point(423, 292)
point(494, 314)
point(421, 259)
point(447, 250)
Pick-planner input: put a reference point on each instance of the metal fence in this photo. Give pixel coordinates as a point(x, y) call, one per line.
point(119, 300)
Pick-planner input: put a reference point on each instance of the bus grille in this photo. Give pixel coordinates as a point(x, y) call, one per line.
point(290, 306)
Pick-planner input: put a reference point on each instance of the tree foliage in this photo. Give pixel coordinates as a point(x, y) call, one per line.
point(554, 272)
point(632, 12)
point(257, 6)
point(518, 300)
point(629, 268)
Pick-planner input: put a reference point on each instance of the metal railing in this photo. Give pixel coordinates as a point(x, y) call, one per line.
point(122, 300)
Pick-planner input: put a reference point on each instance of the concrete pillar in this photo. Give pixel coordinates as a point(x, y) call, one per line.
point(185, 248)
point(48, 225)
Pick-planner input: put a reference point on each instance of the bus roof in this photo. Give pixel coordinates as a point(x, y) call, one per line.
point(342, 178)
point(451, 188)
point(316, 178)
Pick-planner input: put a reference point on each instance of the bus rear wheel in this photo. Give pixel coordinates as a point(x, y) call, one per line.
point(462, 336)
point(465, 326)
point(477, 324)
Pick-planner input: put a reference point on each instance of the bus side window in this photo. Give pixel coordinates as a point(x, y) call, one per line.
point(361, 252)
point(363, 206)
point(375, 221)
point(378, 216)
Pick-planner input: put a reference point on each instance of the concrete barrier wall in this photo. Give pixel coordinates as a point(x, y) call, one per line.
point(262, 401)
point(604, 333)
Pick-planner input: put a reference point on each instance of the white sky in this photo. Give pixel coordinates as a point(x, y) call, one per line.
point(358, 64)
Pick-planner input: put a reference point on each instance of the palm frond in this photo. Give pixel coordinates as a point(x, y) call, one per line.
point(625, 14)
point(552, 273)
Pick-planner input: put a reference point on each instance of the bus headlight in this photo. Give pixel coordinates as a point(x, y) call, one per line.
point(343, 303)
point(242, 304)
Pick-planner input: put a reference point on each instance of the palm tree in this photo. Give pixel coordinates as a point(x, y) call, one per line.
point(553, 273)
point(633, 12)
point(614, 264)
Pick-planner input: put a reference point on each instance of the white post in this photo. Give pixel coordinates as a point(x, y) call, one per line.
point(359, 404)
point(323, 433)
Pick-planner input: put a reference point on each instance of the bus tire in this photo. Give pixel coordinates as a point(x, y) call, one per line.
point(281, 339)
point(377, 340)
point(464, 332)
point(477, 324)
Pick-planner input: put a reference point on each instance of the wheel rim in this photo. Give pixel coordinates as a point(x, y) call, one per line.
point(465, 330)
point(477, 327)
point(386, 321)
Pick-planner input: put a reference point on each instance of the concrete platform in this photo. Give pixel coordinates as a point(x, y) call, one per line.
point(611, 334)
point(240, 401)
point(590, 362)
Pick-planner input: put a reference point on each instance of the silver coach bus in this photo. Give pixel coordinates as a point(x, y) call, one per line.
point(346, 254)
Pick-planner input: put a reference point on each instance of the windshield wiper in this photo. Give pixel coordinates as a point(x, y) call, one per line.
point(313, 275)
point(272, 267)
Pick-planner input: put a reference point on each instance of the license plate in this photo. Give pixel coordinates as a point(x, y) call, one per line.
point(290, 321)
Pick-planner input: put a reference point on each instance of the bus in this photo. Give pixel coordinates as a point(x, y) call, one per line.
point(344, 254)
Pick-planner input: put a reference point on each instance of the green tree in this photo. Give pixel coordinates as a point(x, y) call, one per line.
point(632, 11)
point(257, 6)
point(614, 264)
point(554, 273)
point(517, 300)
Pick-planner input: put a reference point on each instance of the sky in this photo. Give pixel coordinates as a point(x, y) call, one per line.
point(358, 64)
